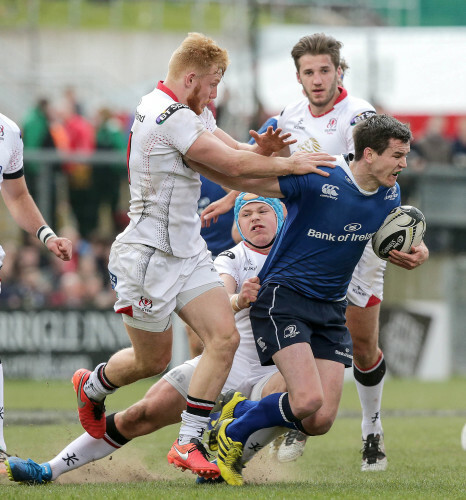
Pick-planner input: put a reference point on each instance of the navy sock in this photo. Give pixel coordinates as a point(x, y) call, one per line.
point(243, 406)
point(274, 410)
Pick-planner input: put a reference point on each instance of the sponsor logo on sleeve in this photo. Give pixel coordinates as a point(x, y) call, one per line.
point(173, 108)
point(227, 253)
point(361, 117)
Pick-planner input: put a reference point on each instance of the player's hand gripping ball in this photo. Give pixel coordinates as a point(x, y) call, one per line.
point(403, 228)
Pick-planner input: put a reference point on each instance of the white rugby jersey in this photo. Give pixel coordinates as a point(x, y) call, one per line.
point(11, 149)
point(241, 262)
point(331, 132)
point(164, 190)
point(11, 155)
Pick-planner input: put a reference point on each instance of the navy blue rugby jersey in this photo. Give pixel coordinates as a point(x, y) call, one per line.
point(329, 222)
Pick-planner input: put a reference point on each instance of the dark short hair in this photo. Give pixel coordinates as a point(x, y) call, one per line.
point(317, 44)
point(376, 131)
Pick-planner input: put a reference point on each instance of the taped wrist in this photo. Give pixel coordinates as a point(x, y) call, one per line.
point(44, 233)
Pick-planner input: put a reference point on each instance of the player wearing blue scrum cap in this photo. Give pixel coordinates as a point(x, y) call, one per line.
point(244, 198)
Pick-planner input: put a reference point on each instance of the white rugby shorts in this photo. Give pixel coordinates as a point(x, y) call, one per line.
point(245, 377)
point(151, 284)
point(366, 286)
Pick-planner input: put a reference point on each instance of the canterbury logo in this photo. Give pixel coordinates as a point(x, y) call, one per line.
point(184, 456)
point(330, 191)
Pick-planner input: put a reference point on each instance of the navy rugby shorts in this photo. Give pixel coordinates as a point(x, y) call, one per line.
point(281, 317)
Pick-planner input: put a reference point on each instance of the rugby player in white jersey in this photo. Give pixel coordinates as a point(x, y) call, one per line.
point(160, 263)
point(25, 213)
point(258, 220)
point(323, 121)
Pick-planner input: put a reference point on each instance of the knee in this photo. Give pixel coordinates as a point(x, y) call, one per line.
point(135, 421)
point(155, 366)
point(306, 406)
point(320, 425)
point(223, 343)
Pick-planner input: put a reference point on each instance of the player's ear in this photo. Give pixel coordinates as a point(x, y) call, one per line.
point(189, 79)
point(298, 78)
point(368, 154)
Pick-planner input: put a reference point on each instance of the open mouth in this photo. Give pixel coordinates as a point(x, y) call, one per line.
point(257, 226)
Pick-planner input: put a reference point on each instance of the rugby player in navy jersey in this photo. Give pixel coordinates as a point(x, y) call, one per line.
point(299, 317)
point(323, 120)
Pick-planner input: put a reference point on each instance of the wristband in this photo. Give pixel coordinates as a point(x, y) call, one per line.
point(234, 303)
point(44, 233)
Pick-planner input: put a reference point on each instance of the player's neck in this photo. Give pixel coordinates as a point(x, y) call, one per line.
point(363, 177)
point(317, 111)
point(321, 110)
point(177, 89)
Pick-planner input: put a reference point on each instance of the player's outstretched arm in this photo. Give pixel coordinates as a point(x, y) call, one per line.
point(27, 215)
point(415, 258)
point(212, 212)
point(209, 150)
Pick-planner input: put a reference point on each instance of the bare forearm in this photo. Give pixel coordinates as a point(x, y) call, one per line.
point(25, 213)
point(233, 183)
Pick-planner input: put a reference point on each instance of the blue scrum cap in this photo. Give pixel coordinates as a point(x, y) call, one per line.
point(245, 198)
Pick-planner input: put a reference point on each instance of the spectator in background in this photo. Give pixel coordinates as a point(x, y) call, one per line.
point(81, 137)
point(107, 178)
point(433, 146)
point(37, 134)
point(459, 145)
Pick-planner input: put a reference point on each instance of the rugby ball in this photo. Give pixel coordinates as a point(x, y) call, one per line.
point(403, 228)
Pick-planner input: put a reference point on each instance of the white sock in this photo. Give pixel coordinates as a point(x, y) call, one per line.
point(192, 426)
point(371, 402)
point(259, 439)
point(94, 388)
point(2, 410)
point(81, 451)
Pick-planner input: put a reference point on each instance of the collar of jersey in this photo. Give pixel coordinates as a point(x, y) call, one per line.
point(343, 94)
point(163, 88)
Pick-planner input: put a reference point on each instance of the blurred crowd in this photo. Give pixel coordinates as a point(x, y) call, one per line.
point(32, 278)
point(62, 126)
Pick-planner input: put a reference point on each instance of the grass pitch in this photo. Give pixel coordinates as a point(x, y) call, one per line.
point(422, 423)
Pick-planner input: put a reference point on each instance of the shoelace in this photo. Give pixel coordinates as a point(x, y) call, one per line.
point(99, 410)
point(290, 437)
point(371, 448)
point(197, 445)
